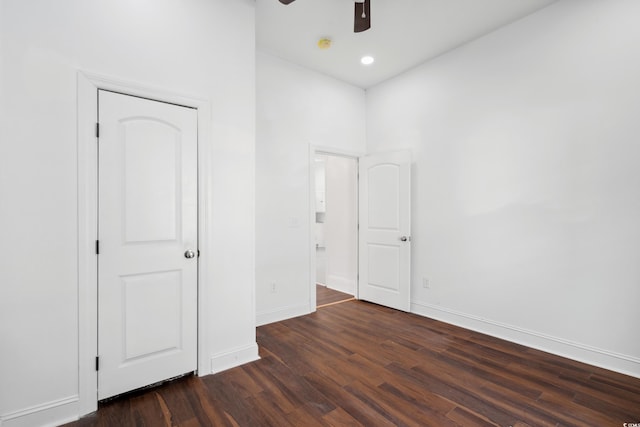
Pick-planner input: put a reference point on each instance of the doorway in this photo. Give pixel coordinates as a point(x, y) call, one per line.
point(382, 218)
point(335, 228)
point(89, 86)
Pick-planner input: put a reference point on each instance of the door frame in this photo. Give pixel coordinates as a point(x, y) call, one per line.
point(88, 85)
point(315, 150)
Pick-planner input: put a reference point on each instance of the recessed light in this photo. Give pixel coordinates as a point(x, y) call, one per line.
point(367, 60)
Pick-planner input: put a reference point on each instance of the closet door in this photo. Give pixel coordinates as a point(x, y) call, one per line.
point(147, 231)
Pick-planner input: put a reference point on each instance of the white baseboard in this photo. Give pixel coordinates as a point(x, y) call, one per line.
point(236, 357)
point(53, 413)
point(62, 411)
point(282, 313)
point(621, 363)
point(341, 284)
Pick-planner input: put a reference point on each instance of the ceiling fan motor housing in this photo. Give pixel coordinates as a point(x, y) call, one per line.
point(362, 15)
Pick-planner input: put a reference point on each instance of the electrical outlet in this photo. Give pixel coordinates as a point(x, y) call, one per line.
point(425, 283)
point(273, 287)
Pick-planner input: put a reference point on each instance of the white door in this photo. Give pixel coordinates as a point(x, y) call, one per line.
point(147, 231)
point(385, 229)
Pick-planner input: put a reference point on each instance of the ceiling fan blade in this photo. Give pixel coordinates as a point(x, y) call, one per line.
point(362, 16)
point(287, 1)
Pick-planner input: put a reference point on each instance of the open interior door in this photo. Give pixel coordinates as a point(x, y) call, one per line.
point(385, 229)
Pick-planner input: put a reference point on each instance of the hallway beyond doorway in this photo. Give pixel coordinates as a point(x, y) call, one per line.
point(326, 296)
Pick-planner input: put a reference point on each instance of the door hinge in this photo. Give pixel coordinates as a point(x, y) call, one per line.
point(97, 130)
point(97, 247)
point(97, 363)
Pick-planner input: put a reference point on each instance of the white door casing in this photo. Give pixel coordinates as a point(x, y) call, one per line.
point(147, 221)
point(385, 229)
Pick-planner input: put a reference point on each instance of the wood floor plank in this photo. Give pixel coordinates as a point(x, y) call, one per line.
point(340, 418)
point(212, 414)
point(308, 415)
point(360, 364)
point(299, 390)
point(270, 414)
point(267, 382)
point(357, 409)
point(418, 398)
point(572, 410)
point(527, 410)
point(616, 396)
point(146, 410)
point(619, 411)
point(466, 418)
point(456, 392)
point(500, 376)
point(236, 411)
point(380, 404)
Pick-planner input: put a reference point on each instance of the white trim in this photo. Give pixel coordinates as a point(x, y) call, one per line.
point(88, 85)
point(51, 413)
point(87, 232)
point(313, 151)
point(283, 313)
point(313, 265)
point(621, 363)
point(236, 357)
point(330, 151)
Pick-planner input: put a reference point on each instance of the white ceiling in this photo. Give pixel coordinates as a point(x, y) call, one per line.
point(403, 34)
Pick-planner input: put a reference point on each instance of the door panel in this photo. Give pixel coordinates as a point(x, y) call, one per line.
point(384, 266)
point(385, 209)
point(151, 183)
point(383, 202)
point(152, 310)
point(147, 288)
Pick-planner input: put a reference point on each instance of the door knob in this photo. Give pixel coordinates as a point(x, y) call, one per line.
point(189, 254)
point(405, 238)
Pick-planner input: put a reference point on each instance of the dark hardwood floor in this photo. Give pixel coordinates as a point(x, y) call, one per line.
point(325, 296)
point(357, 363)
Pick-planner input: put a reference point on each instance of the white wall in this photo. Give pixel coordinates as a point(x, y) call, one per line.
point(296, 108)
point(526, 185)
point(341, 222)
point(166, 44)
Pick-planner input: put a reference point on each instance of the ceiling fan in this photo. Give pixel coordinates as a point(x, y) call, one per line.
point(362, 14)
